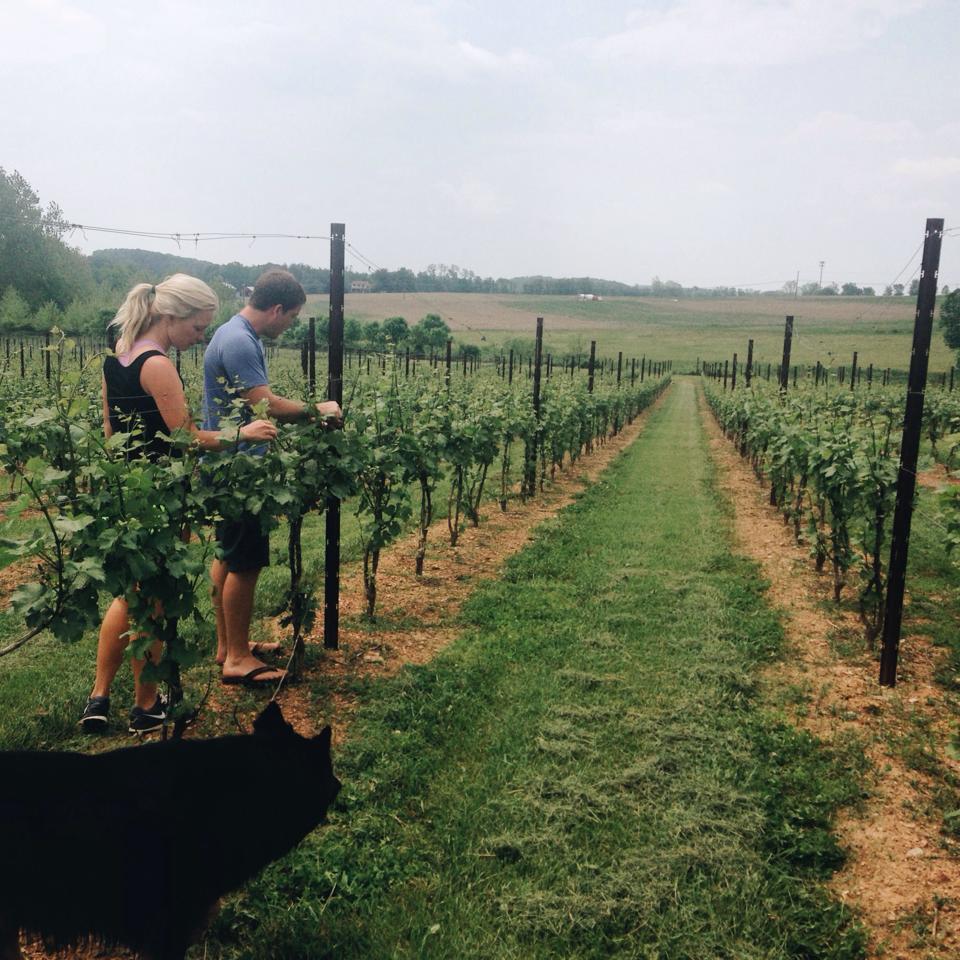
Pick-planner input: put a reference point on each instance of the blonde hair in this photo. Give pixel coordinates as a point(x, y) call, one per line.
point(178, 296)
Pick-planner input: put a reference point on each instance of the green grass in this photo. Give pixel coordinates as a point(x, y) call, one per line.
point(933, 610)
point(586, 771)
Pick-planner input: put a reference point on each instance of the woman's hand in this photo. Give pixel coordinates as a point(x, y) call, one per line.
point(258, 430)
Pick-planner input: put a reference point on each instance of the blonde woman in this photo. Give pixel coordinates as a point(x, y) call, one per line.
point(143, 395)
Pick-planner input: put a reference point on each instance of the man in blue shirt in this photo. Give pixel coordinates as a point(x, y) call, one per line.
point(234, 365)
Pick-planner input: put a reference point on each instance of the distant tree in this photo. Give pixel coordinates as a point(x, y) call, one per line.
point(395, 329)
point(47, 316)
point(898, 289)
point(809, 289)
point(869, 292)
point(373, 335)
point(352, 332)
point(86, 316)
point(950, 319)
point(470, 351)
point(945, 290)
point(914, 287)
point(850, 290)
point(433, 330)
point(830, 290)
point(888, 291)
point(14, 311)
point(393, 281)
point(33, 255)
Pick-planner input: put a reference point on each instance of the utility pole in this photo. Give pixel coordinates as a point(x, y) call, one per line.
point(820, 281)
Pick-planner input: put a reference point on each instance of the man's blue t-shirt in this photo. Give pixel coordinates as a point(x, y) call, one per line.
point(233, 362)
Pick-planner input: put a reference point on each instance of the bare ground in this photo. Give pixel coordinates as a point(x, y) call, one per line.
point(903, 873)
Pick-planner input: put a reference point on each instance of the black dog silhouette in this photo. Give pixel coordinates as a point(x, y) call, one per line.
point(134, 847)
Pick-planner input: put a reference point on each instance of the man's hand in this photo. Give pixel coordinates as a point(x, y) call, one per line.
point(329, 410)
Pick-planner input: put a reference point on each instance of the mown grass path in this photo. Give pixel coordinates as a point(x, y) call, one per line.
point(586, 771)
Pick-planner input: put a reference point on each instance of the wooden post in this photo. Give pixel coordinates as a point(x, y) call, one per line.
point(446, 376)
point(853, 371)
point(530, 464)
point(909, 450)
point(312, 357)
point(748, 373)
point(593, 360)
point(331, 556)
point(785, 363)
point(733, 385)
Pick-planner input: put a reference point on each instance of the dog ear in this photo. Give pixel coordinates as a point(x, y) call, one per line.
point(270, 723)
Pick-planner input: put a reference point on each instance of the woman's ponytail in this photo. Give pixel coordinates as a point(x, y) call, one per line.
point(178, 296)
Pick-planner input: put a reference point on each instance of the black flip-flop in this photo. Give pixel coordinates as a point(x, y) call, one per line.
point(254, 678)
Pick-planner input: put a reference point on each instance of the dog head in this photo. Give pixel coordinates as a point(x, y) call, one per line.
point(309, 765)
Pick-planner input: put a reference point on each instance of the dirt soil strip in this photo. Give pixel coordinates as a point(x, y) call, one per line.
point(902, 874)
point(416, 617)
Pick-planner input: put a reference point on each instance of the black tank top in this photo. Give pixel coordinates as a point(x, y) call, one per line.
point(132, 410)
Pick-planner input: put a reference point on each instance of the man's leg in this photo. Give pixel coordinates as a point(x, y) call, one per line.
point(236, 593)
point(218, 574)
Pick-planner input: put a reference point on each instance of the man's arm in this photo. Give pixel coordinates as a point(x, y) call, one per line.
point(290, 411)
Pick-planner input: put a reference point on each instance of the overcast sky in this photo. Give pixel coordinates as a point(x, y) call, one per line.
point(704, 141)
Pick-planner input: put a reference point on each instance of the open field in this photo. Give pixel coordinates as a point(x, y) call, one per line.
point(828, 329)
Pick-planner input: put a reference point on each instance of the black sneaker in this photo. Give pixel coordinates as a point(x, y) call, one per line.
point(95, 715)
point(146, 721)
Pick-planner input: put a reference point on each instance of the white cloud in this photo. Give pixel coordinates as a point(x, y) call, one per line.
point(748, 32)
point(47, 32)
point(488, 60)
point(846, 127)
point(475, 198)
point(714, 188)
point(627, 122)
point(415, 38)
point(928, 168)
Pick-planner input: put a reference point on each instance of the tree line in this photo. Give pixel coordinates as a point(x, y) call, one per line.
point(44, 282)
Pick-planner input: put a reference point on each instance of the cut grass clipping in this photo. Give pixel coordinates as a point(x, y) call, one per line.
point(586, 772)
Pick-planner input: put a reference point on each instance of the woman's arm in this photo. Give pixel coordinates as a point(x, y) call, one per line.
point(160, 379)
point(107, 429)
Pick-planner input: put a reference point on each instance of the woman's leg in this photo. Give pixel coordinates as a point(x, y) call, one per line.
point(145, 694)
point(111, 648)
